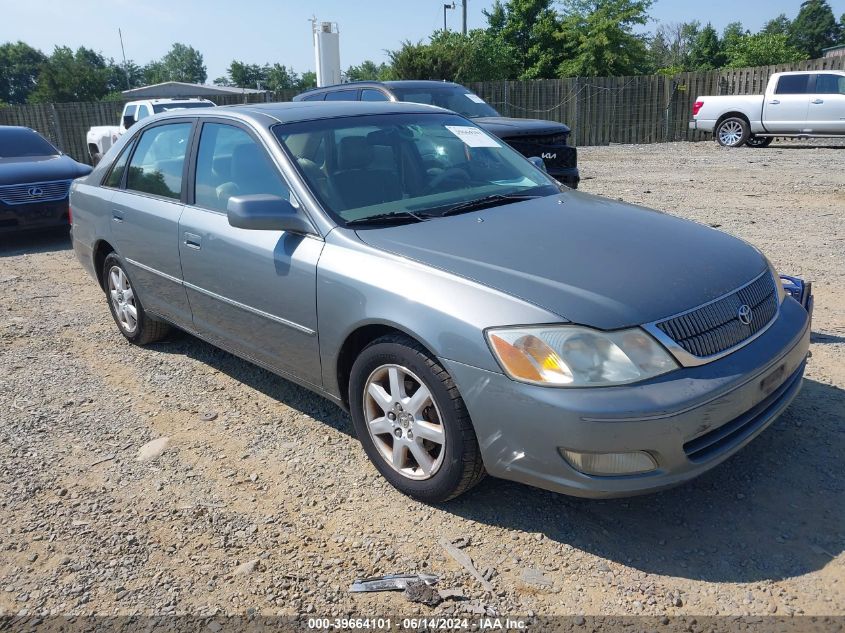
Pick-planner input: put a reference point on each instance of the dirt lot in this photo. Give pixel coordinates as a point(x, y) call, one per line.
point(263, 501)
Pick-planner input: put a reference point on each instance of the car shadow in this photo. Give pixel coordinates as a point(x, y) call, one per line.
point(41, 241)
point(774, 510)
point(807, 147)
point(268, 383)
point(823, 338)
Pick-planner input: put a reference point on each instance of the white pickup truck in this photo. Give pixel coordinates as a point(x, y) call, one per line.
point(101, 137)
point(796, 104)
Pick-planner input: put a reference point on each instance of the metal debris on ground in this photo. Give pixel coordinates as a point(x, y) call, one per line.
point(391, 582)
point(463, 559)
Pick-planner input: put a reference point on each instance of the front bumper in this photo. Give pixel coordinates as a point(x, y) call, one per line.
point(689, 420)
point(33, 216)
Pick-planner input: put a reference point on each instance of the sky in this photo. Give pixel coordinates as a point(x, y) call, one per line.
point(269, 31)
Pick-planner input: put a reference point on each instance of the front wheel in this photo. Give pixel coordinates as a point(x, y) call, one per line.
point(759, 141)
point(412, 422)
point(733, 132)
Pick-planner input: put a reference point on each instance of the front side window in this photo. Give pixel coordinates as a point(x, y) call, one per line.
point(830, 84)
point(317, 97)
point(454, 98)
point(342, 95)
point(156, 166)
point(230, 162)
point(406, 164)
point(792, 85)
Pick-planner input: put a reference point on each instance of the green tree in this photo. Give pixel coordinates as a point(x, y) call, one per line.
point(781, 25)
point(815, 28)
point(527, 28)
point(368, 70)
point(671, 45)
point(182, 63)
point(19, 68)
point(763, 49)
point(732, 34)
point(280, 77)
point(599, 40)
point(307, 80)
point(706, 52)
point(247, 75)
point(66, 75)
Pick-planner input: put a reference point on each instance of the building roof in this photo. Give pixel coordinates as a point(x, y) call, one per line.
point(833, 48)
point(181, 89)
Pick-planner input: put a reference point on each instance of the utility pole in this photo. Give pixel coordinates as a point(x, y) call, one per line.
point(123, 51)
point(446, 6)
point(464, 25)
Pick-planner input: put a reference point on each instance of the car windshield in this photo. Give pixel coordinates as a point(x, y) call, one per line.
point(406, 165)
point(167, 107)
point(21, 142)
point(455, 98)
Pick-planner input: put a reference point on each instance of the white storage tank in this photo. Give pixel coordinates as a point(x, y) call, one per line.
point(327, 50)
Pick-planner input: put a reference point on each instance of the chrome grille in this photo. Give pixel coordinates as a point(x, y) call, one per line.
point(715, 327)
point(33, 192)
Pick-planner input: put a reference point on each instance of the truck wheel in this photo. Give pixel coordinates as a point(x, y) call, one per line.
point(733, 132)
point(759, 141)
point(412, 422)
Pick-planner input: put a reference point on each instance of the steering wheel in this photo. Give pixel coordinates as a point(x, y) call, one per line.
point(452, 175)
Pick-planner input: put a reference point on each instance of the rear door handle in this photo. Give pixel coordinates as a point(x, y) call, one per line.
point(817, 101)
point(117, 216)
point(193, 240)
point(774, 102)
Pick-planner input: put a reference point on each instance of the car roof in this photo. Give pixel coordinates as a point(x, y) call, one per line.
point(295, 111)
point(403, 83)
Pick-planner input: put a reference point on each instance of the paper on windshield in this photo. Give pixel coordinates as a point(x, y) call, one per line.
point(473, 97)
point(472, 136)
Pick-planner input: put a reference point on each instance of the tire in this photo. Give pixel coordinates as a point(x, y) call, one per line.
point(444, 431)
point(759, 141)
point(732, 132)
point(140, 329)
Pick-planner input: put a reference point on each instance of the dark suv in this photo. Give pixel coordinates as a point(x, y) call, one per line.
point(530, 137)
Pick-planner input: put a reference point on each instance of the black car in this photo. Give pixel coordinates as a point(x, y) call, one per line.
point(530, 137)
point(35, 179)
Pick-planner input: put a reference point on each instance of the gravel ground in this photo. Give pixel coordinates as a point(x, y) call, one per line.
point(262, 502)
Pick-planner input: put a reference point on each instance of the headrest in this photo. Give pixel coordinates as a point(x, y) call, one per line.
point(354, 152)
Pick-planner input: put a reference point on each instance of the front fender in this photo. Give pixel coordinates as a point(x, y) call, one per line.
point(358, 285)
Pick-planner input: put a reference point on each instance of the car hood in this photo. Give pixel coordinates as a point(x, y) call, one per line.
point(504, 127)
point(590, 260)
point(17, 171)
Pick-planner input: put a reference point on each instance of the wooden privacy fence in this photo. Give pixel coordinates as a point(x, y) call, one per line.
point(600, 110)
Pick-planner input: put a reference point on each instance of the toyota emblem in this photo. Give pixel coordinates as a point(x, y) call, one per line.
point(745, 314)
point(35, 192)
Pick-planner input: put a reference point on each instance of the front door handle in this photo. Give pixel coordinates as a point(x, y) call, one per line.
point(117, 216)
point(774, 102)
point(817, 101)
point(193, 241)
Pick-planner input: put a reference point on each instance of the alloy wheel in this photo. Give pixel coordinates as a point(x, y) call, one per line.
point(730, 133)
point(122, 298)
point(404, 422)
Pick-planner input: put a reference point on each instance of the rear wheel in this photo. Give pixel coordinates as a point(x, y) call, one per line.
point(126, 309)
point(412, 422)
point(733, 132)
point(759, 141)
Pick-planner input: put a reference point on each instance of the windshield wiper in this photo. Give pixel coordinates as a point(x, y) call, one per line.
point(487, 201)
point(394, 217)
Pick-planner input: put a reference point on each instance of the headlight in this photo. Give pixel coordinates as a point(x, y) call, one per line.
point(576, 356)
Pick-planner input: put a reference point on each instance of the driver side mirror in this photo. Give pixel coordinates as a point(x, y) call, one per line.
point(128, 121)
point(263, 212)
point(538, 163)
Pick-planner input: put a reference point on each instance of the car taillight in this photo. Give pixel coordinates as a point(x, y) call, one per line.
point(69, 215)
point(696, 107)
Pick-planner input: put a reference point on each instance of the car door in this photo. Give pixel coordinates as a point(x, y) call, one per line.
point(826, 113)
point(252, 291)
point(786, 109)
point(145, 214)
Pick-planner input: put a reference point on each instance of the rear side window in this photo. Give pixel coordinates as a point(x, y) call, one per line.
point(342, 95)
point(792, 85)
point(115, 176)
point(317, 97)
point(156, 165)
point(830, 84)
point(232, 163)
